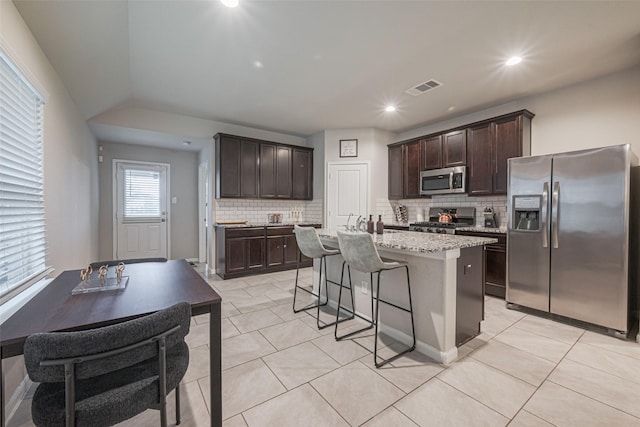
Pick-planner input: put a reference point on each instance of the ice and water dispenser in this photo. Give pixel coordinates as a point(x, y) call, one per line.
point(526, 212)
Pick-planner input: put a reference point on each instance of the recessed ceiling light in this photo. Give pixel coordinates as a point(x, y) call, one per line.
point(389, 108)
point(258, 64)
point(230, 3)
point(453, 107)
point(186, 143)
point(514, 60)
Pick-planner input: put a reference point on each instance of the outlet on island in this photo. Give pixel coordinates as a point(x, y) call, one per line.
point(364, 287)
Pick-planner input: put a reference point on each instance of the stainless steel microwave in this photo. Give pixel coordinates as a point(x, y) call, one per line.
point(443, 181)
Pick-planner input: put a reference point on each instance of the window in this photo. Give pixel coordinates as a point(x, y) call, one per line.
point(22, 225)
point(141, 193)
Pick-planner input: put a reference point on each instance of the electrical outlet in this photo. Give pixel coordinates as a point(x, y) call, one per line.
point(364, 287)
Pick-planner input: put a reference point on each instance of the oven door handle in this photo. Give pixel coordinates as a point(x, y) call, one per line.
point(451, 180)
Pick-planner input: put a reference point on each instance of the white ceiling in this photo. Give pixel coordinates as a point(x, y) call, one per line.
point(326, 64)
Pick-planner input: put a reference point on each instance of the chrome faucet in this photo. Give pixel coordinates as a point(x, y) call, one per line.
point(349, 219)
point(361, 223)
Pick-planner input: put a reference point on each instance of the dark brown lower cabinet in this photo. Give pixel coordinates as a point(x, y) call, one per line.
point(255, 253)
point(247, 251)
point(275, 250)
point(469, 296)
point(495, 281)
point(240, 250)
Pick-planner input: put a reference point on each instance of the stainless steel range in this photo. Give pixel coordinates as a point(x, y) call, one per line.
point(446, 220)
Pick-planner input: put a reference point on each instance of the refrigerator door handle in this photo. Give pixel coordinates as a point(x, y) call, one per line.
point(544, 214)
point(554, 214)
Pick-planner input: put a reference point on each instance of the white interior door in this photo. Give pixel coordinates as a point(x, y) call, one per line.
point(203, 207)
point(140, 217)
point(347, 193)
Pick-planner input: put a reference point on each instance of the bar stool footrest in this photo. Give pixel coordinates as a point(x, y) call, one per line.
point(341, 337)
point(394, 357)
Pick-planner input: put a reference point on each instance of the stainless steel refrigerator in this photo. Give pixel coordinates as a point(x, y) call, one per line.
point(572, 230)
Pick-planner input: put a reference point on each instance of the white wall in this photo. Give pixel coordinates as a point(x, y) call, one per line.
point(600, 112)
point(372, 147)
point(183, 216)
point(175, 124)
point(70, 166)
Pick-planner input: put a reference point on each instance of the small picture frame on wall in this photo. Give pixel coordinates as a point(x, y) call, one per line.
point(348, 148)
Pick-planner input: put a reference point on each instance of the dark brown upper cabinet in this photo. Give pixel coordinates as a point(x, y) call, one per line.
point(454, 148)
point(249, 152)
point(432, 152)
point(236, 167)
point(483, 146)
point(396, 172)
point(490, 145)
point(252, 168)
point(412, 160)
point(479, 157)
point(510, 141)
point(302, 164)
point(275, 171)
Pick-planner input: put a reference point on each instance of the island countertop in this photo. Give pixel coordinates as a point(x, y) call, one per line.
point(247, 224)
point(417, 242)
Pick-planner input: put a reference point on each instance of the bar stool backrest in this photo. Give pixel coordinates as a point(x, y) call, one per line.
point(309, 242)
point(359, 251)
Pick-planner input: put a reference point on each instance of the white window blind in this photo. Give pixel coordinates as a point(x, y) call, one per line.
point(22, 226)
point(141, 193)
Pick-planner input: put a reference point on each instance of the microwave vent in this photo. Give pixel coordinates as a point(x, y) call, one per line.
point(423, 87)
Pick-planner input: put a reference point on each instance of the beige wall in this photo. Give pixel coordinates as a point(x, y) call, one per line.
point(600, 112)
point(70, 165)
point(183, 218)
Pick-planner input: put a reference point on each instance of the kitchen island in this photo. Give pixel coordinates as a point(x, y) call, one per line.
point(446, 274)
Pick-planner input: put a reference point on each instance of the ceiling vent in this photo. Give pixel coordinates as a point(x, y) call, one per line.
point(423, 87)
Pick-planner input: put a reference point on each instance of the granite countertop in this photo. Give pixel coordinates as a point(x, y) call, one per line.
point(268, 224)
point(483, 229)
point(418, 242)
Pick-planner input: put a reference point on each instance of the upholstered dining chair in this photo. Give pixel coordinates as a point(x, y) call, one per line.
point(103, 376)
point(97, 264)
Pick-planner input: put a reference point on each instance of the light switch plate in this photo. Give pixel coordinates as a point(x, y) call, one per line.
point(174, 200)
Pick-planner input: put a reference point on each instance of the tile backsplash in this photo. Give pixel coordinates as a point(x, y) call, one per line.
point(256, 210)
point(498, 203)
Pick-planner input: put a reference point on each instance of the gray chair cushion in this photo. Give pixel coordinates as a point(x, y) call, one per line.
point(359, 251)
point(114, 388)
point(61, 345)
point(309, 243)
point(110, 398)
point(97, 264)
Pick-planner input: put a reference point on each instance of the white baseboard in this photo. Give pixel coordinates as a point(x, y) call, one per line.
point(445, 357)
point(17, 397)
point(194, 260)
point(210, 270)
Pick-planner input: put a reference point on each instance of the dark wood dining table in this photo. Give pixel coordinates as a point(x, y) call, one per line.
point(152, 286)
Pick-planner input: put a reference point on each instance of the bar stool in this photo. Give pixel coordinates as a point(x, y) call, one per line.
point(310, 246)
point(359, 252)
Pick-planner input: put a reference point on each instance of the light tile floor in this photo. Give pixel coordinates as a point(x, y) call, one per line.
point(280, 370)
